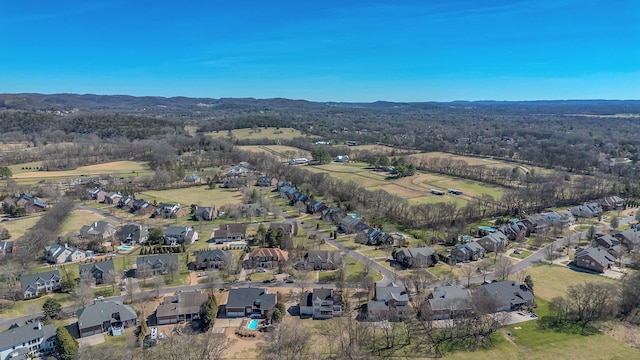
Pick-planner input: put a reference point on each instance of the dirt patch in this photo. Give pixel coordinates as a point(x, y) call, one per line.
point(242, 348)
point(626, 333)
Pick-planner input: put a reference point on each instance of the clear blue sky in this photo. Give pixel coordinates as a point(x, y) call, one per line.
point(422, 50)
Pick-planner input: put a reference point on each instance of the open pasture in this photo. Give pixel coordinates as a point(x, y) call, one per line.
point(270, 133)
point(414, 188)
point(116, 168)
point(199, 195)
point(282, 151)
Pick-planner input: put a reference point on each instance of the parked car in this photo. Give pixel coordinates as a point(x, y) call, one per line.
point(289, 281)
point(267, 281)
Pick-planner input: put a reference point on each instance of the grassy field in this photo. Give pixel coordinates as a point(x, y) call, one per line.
point(283, 152)
point(18, 227)
point(116, 168)
point(523, 254)
point(77, 218)
point(199, 195)
point(260, 133)
point(414, 188)
point(553, 280)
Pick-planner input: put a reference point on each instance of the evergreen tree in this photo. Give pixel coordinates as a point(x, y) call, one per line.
point(51, 308)
point(208, 313)
point(66, 345)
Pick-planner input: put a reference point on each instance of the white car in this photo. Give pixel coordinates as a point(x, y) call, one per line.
point(154, 333)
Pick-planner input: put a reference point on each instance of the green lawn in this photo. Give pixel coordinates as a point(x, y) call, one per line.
point(199, 195)
point(260, 277)
point(523, 254)
point(553, 280)
point(18, 227)
point(259, 133)
point(25, 307)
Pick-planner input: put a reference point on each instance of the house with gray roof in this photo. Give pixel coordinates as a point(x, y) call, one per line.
point(588, 210)
point(448, 302)
point(33, 340)
point(595, 259)
point(213, 259)
point(175, 235)
point(629, 238)
point(321, 303)
point(611, 203)
point(508, 295)
point(155, 264)
point(132, 234)
point(105, 316)
point(470, 251)
point(254, 302)
point(322, 260)
point(391, 302)
point(183, 306)
point(40, 283)
point(203, 213)
point(97, 271)
point(415, 257)
point(98, 230)
point(230, 232)
point(494, 241)
point(60, 254)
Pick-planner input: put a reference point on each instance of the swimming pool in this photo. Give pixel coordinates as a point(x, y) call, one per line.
point(253, 324)
point(125, 247)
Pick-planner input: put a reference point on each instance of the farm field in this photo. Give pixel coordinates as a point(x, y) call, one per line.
point(414, 188)
point(199, 195)
point(282, 151)
point(271, 133)
point(21, 172)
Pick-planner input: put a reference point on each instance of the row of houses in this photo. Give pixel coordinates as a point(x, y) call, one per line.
point(30, 202)
point(606, 249)
point(347, 223)
point(476, 250)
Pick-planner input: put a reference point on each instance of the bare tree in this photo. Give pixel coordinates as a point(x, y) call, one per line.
point(158, 283)
point(288, 342)
point(468, 272)
point(83, 294)
point(504, 268)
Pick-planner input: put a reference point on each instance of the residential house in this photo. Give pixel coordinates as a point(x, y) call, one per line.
point(175, 235)
point(40, 283)
point(99, 272)
point(267, 181)
point(315, 207)
point(282, 183)
point(589, 210)
point(30, 341)
point(351, 224)
point(448, 302)
point(99, 230)
point(254, 302)
point(563, 218)
point(133, 234)
point(507, 295)
point(249, 210)
point(203, 213)
point(230, 232)
point(142, 207)
point(611, 203)
point(390, 302)
point(322, 260)
point(60, 254)
point(321, 303)
point(268, 258)
point(183, 306)
point(155, 264)
point(289, 228)
point(536, 224)
point(240, 170)
point(213, 259)
point(170, 211)
point(341, 158)
point(234, 183)
point(8, 248)
point(112, 198)
point(629, 238)
point(470, 251)
point(193, 179)
point(594, 258)
point(97, 194)
point(105, 316)
point(333, 215)
point(415, 257)
point(126, 202)
point(494, 242)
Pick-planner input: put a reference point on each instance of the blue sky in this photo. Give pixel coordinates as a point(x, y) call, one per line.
point(429, 50)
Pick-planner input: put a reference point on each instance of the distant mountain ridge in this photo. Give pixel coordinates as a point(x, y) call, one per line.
point(152, 104)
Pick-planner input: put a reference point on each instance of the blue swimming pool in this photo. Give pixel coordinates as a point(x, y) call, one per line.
point(253, 324)
point(125, 247)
